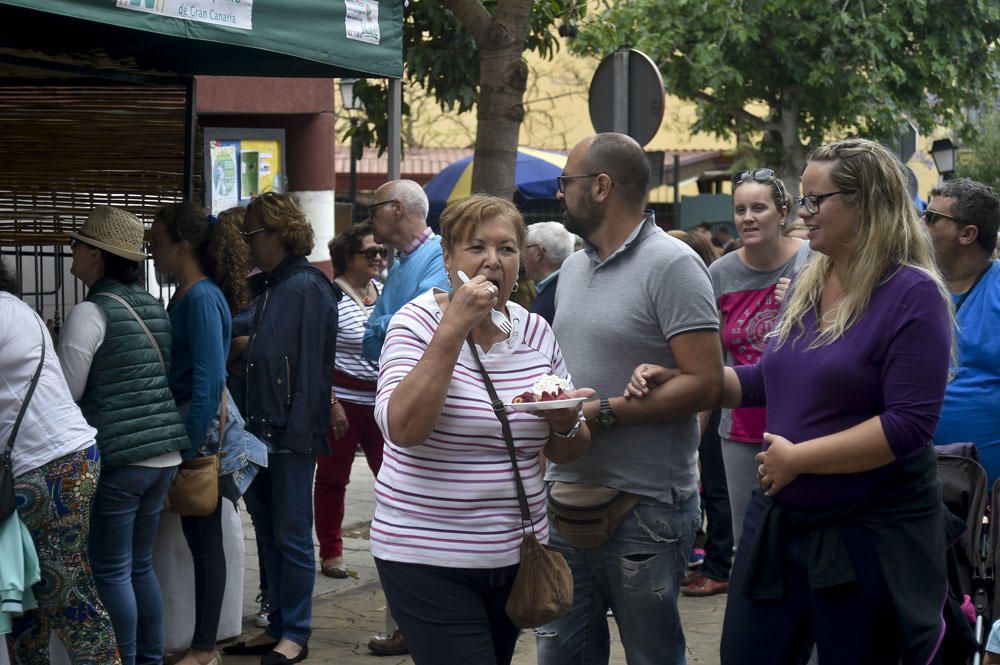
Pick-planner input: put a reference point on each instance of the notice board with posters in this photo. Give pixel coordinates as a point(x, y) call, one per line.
point(242, 163)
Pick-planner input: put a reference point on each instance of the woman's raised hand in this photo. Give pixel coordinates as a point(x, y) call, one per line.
point(645, 377)
point(780, 288)
point(470, 302)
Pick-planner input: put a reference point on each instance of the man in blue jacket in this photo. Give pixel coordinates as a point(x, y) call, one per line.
point(399, 218)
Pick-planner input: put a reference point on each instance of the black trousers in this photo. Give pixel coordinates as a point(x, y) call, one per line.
point(204, 539)
point(715, 504)
point(451, 616)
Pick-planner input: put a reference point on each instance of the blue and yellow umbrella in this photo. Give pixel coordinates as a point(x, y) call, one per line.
point(534, 178)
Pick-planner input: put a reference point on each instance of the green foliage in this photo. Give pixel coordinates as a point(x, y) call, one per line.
point(440, 57)
point(983, 164)
point(835, 67)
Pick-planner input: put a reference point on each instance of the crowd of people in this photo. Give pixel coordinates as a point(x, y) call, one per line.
point(785, 392)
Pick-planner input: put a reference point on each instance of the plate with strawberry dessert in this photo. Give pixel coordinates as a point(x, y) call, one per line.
point(548, 394)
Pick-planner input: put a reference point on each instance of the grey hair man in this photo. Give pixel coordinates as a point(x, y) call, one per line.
point(547, 245)
point(398, 216)
point(963, 217)
point(634, 295)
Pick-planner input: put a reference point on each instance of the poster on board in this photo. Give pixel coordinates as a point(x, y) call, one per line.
point(225, 160)
point(260, 168)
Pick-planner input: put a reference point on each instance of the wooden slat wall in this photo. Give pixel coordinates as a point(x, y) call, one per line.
point(68, 148)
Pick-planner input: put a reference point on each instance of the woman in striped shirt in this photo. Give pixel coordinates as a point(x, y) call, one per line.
point(357, 261)
point(447, 527)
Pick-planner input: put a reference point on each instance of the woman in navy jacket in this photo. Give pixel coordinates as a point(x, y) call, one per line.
point(289, 365)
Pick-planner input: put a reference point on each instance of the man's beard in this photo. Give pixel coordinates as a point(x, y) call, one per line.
point(586, 221)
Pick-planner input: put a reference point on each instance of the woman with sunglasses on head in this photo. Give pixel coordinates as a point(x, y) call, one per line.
point(208, 258)
point(744, 283)
point(357, 262)
point(116, 349)
point(845, 541)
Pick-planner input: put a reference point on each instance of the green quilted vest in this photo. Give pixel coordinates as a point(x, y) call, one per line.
point(127, 399)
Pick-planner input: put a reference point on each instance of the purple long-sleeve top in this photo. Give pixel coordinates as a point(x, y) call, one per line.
point(892, 363)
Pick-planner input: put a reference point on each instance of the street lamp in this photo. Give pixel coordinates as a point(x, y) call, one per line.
point(943, 152)
point(352, 103)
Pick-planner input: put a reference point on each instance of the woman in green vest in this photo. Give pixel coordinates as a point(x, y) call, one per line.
point(115, 352)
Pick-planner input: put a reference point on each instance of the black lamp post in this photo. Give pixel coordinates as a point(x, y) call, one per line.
point(943, 151)
point(352, 103)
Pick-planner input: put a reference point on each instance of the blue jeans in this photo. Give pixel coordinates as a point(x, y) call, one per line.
point(280, 501)
point(637, 574)
point(124, 517)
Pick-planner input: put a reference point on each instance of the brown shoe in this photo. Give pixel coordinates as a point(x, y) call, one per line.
point(394, 645)
point(705, 586)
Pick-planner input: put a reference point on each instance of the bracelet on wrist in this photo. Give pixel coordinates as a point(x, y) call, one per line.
point(573, 431)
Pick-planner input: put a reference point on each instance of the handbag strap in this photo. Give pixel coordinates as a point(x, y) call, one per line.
point(501, 414)
point(142, 324)
point(24, 405)
point(354, 295)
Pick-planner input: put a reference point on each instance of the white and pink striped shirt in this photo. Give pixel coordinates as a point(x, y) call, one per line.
point(451, 501)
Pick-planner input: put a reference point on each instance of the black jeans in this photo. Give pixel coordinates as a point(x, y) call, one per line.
point(715, 503)
point(451, 616)
point(204, 538)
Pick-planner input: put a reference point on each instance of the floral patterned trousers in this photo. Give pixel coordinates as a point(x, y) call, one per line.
point(54, 502)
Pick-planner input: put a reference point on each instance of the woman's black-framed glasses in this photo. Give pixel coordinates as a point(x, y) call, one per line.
point(757, 175)
point(561, 179)
point(931, 216)
point(811, 202)
point(374, 252)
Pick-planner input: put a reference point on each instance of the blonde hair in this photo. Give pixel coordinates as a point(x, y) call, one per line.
point(281, 214)
point(890, 236)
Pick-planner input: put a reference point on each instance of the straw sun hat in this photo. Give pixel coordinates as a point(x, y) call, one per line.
point(114, 230)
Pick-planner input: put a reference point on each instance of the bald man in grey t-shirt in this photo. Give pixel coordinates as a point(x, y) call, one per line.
point(633, 296)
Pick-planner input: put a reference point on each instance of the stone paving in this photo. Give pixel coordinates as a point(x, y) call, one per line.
point(347, 613)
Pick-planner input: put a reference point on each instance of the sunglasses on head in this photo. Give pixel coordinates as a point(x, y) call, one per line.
point(373, 253)
point(757, 175)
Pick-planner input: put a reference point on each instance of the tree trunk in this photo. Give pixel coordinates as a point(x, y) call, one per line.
point(503, 76)
point(795, 153)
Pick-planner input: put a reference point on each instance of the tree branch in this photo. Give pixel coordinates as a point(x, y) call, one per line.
point(473, 15)
point(746, 116)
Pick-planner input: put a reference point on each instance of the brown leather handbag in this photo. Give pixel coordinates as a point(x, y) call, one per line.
point(543, 587)
point(194, 491)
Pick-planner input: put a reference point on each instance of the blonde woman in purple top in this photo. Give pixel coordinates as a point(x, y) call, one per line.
point(845, 543)
point(447, 527)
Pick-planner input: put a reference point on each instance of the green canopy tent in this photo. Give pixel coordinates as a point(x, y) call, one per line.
point(323, 38)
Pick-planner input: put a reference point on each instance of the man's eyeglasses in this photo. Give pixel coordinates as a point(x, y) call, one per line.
point(374, 252)
point(375, 206)
point(811, 203)
point(563, 178)
point(931, 216)
point(246, 234)
point(758, 175)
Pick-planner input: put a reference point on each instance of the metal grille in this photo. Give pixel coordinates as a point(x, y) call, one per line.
point(73, 146)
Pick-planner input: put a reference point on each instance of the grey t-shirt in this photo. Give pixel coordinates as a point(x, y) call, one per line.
point(748, 311)
point(614, 315)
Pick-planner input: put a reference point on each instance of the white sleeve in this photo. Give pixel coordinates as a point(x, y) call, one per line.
point(79, 340)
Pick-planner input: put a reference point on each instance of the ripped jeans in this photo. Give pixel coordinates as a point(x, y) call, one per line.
point(637, 574)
